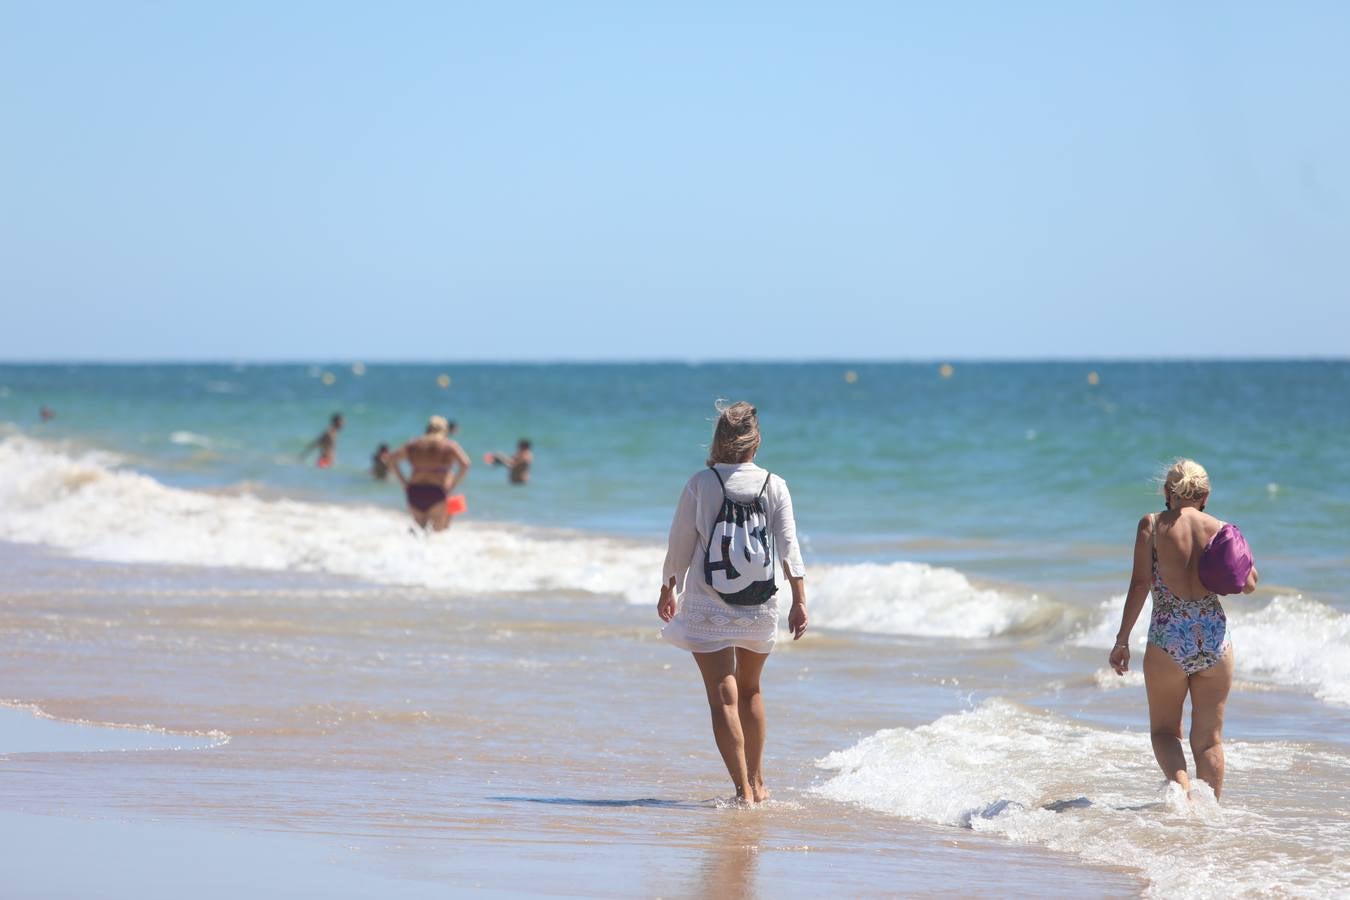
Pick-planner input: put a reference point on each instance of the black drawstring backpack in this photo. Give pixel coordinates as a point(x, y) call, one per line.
point(738, 562)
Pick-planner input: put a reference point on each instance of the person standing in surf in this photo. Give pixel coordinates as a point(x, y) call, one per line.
point(379, 469)
point(439, 464)
point(326, 443)
point(732, 524)
point(1189, 652)
point(517, 466)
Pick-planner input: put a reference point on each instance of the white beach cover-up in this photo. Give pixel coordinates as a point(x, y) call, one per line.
point(704, 622)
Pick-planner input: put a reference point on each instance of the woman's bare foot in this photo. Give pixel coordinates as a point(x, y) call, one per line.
point(761, 793)
point(737, 801)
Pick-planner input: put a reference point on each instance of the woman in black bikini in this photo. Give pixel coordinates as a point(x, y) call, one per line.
point(439, 464)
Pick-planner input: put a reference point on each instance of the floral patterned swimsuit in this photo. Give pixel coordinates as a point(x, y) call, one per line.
point(1193, 632)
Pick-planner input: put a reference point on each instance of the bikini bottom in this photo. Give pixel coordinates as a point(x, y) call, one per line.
point(424, 497)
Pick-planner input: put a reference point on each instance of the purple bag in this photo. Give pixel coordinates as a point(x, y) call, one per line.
point(1226, 561)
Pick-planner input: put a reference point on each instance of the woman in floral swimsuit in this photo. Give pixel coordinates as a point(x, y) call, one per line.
point(1188, 648)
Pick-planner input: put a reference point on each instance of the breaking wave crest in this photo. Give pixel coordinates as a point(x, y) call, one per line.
point(90, 505)
point(1038, 778)
point(1291, 641)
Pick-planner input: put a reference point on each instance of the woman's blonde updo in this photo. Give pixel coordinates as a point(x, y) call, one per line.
point(1186, 479)
point(736, 437)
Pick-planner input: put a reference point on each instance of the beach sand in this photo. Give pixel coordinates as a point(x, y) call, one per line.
point(344, 739)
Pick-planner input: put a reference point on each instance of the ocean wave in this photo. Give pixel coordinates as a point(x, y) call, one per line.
point(1038, 778)
point(91, 505)
point(907, 598)
point(1291, 641)
point(95, 736)
point(1299, 642)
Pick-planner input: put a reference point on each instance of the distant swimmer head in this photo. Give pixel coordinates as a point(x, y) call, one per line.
point(438, 425)
point(523, 444)
point(451, 426)
point(1185, 480)
point(336, 420)
point(736, 436)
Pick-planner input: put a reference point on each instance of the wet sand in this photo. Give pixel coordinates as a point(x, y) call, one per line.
point(397, 741)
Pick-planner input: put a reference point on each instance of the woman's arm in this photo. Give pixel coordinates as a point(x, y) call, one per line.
point(797, 615)
point(785, 534)
point(392, 460)
point(1253, 578)
point(679, 552)
point(790, 552)
point(1140, 582)
point(458, 456)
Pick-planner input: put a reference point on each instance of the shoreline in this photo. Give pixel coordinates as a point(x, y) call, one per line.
point(522, 830)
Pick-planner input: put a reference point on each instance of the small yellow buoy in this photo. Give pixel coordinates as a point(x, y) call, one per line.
point(1093, 378)
point(358, 369)
point(328, 378)
point(946, 370)
point(443, 381)
point(851, 376)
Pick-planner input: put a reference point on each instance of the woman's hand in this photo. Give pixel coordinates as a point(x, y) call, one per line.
point(665, 607)
point(1120, 658)
point(797, 619)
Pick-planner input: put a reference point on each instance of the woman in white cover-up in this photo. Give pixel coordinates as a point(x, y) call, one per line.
point(751, 510)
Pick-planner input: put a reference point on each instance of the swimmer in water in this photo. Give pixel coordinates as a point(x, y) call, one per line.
point(378, 469)
point(518, 466)
point(46, 414)
point(439, 464)
point(326, 442)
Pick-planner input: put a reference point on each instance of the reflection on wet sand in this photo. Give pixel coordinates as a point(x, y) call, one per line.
point(729, 865)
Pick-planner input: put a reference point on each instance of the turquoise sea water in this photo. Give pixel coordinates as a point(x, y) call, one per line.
point(1051, 469)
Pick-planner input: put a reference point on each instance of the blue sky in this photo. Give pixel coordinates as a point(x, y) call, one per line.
point(437, 181)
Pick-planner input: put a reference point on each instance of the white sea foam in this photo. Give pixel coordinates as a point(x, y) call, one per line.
point(28, 729)
point(918, 599)
point(1297, 642)
point(1039, 778)
point(90, 506)
point(85, 504)
point(1290, 641)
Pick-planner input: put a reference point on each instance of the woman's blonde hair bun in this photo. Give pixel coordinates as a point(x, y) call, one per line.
point(736, 435)
point(1186, 479)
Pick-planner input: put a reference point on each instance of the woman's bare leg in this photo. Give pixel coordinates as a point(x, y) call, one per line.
point(750, 706)
point(1166, 684)
point(719, 680)
point(1209, 695)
